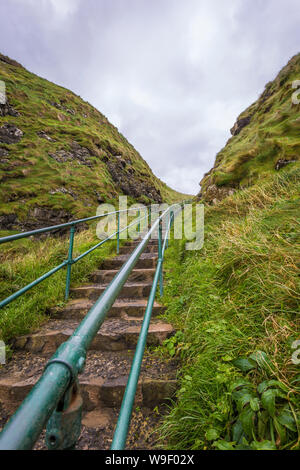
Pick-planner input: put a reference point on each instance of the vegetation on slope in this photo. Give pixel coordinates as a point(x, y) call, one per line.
point(235, 304)
point(23, 261)
point(67, 159)
point(265, 138)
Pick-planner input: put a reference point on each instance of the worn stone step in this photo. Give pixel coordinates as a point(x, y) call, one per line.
point(98, 428)
point(102, 383)
point(105, 276)
point(124, 250)
point(137, 290)
point(146, 261)
point(76, 309)
point(135, 243)
point(114, 335)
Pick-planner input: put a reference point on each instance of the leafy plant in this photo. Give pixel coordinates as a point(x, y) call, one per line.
point(263, 416)
point(174, 344)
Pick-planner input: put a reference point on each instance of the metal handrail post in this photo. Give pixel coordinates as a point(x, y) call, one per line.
point(70, 262)
point(139, 224)
point(161, 288)
point(118, 235)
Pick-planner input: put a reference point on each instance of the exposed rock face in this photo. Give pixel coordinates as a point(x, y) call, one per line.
point(45, 216)
point(62, 107)
point(214, 194)
point(7, 110)
point(43, 135)
point(129, 185)
point(9, 61)
point(80, 154)
point(63, 191)
point(282, 163)
point(3, 152)
point(8, 222)
point(240, 124)
point(10, 134)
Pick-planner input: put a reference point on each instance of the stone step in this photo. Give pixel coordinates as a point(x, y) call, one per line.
point(137, 242)
point(137, 290)
point(137, 275)
point(102, 383)
point(124, 250)
point(98, 428)
point(76, 309)
point(146, 261)
point(114, 335)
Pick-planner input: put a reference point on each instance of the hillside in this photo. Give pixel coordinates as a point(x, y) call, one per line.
point(60, 157)
point(235, 303)
point(265, 139)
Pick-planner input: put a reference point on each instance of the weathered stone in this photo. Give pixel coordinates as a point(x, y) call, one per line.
point(43, 135)
point(157, 391)
point(214, 194)
point(282, 163)
point(10, 134)
point(7, 110)
point(8, 221)
point(240, 124)
point(4, 153)
point(80, 154)
point(130, 186)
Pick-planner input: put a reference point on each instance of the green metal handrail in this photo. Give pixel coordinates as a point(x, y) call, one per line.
point(121, 431)
point(70, 261)
point(56, 392)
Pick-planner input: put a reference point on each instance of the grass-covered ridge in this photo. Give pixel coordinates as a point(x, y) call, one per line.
point(236, 306)
point(52, 119)
point(266, 132)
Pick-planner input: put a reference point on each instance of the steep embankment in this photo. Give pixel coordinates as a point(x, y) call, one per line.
point(265, 139)
point(60, 157)
point(236, 301)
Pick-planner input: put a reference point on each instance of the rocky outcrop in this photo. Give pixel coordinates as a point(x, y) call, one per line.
point(9, 222)
point(10, 134)
point(3, 152)
point(240, 124)
point(61, 107)
point(131, 186)
point(43, 135)
point(7, 110)
point(282, 163)
point(63, 191)
point(9, 61)
point(213, 194)
point(80, 154)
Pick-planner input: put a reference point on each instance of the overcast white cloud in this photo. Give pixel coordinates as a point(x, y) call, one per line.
point(171, 75)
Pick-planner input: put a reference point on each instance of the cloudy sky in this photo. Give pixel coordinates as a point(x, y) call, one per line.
point(172, 75)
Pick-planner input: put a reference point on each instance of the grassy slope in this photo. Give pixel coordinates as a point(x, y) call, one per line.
point(24, 261)
point(272, 134)
point(33, 173)
point(235, 297)
point(239, 296)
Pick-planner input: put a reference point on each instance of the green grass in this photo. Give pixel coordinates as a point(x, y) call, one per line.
point(236, 297)
point(272, 134)
point(25, 260)
point(30, 175)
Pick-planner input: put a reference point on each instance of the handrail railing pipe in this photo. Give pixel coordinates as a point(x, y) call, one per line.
point(58, 384)
point(70, 261)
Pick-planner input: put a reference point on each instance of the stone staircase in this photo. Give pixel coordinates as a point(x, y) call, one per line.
point(109, 359)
